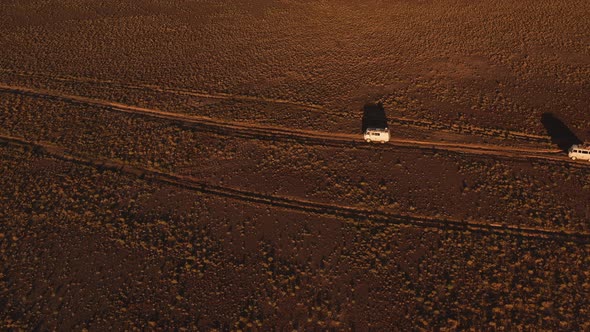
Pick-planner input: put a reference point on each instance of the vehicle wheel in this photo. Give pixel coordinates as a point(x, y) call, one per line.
point(368, 141)
point(574, 158)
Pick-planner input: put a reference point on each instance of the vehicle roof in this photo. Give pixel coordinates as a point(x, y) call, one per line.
point(581, 146)
point(377, 129)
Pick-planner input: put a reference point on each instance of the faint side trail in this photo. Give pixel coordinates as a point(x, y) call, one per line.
point(471, 130)
point(254, 131)
point(348, 212)
point(201, 94)
point(307, 106)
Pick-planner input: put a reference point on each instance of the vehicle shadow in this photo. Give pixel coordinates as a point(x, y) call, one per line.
point(560, 134)
point(374, 116)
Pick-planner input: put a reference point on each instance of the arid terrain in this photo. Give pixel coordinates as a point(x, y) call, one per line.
point(200, 165)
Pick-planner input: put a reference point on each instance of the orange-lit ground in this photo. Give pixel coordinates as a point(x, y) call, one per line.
point(200, 165)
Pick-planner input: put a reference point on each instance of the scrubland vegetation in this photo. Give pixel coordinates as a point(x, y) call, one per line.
point(88, 245)
point(492, 64)
point(528, 194)
point(245, 266)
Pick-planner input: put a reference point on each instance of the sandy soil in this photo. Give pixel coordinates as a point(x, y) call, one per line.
point(200, 165)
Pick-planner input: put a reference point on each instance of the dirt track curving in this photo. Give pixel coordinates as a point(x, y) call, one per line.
point(348, 212)
point(254, 131)
point(404, 121)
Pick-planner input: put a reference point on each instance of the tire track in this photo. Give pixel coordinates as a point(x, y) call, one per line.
point(253, 131)
point(200, 94)
point(424, 124)
point(356, 214)
point(471, 130)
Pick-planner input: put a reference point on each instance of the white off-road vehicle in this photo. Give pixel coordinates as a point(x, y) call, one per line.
point(579, 151)
point(376, 135)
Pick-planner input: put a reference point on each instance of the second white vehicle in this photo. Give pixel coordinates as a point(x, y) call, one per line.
point(377, 135)
point(579, 151)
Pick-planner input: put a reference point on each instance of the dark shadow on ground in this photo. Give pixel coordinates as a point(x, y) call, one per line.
point(374, 116)
point(560, 134)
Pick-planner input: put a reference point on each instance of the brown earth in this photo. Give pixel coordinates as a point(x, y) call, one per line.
point(199, 165)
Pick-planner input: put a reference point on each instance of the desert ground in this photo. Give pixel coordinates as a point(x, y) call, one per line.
point(200, 165)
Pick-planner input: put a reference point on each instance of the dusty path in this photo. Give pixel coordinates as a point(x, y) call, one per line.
point(424, 124)
point(356, 214)
point(255, 131)
point(202, 94)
